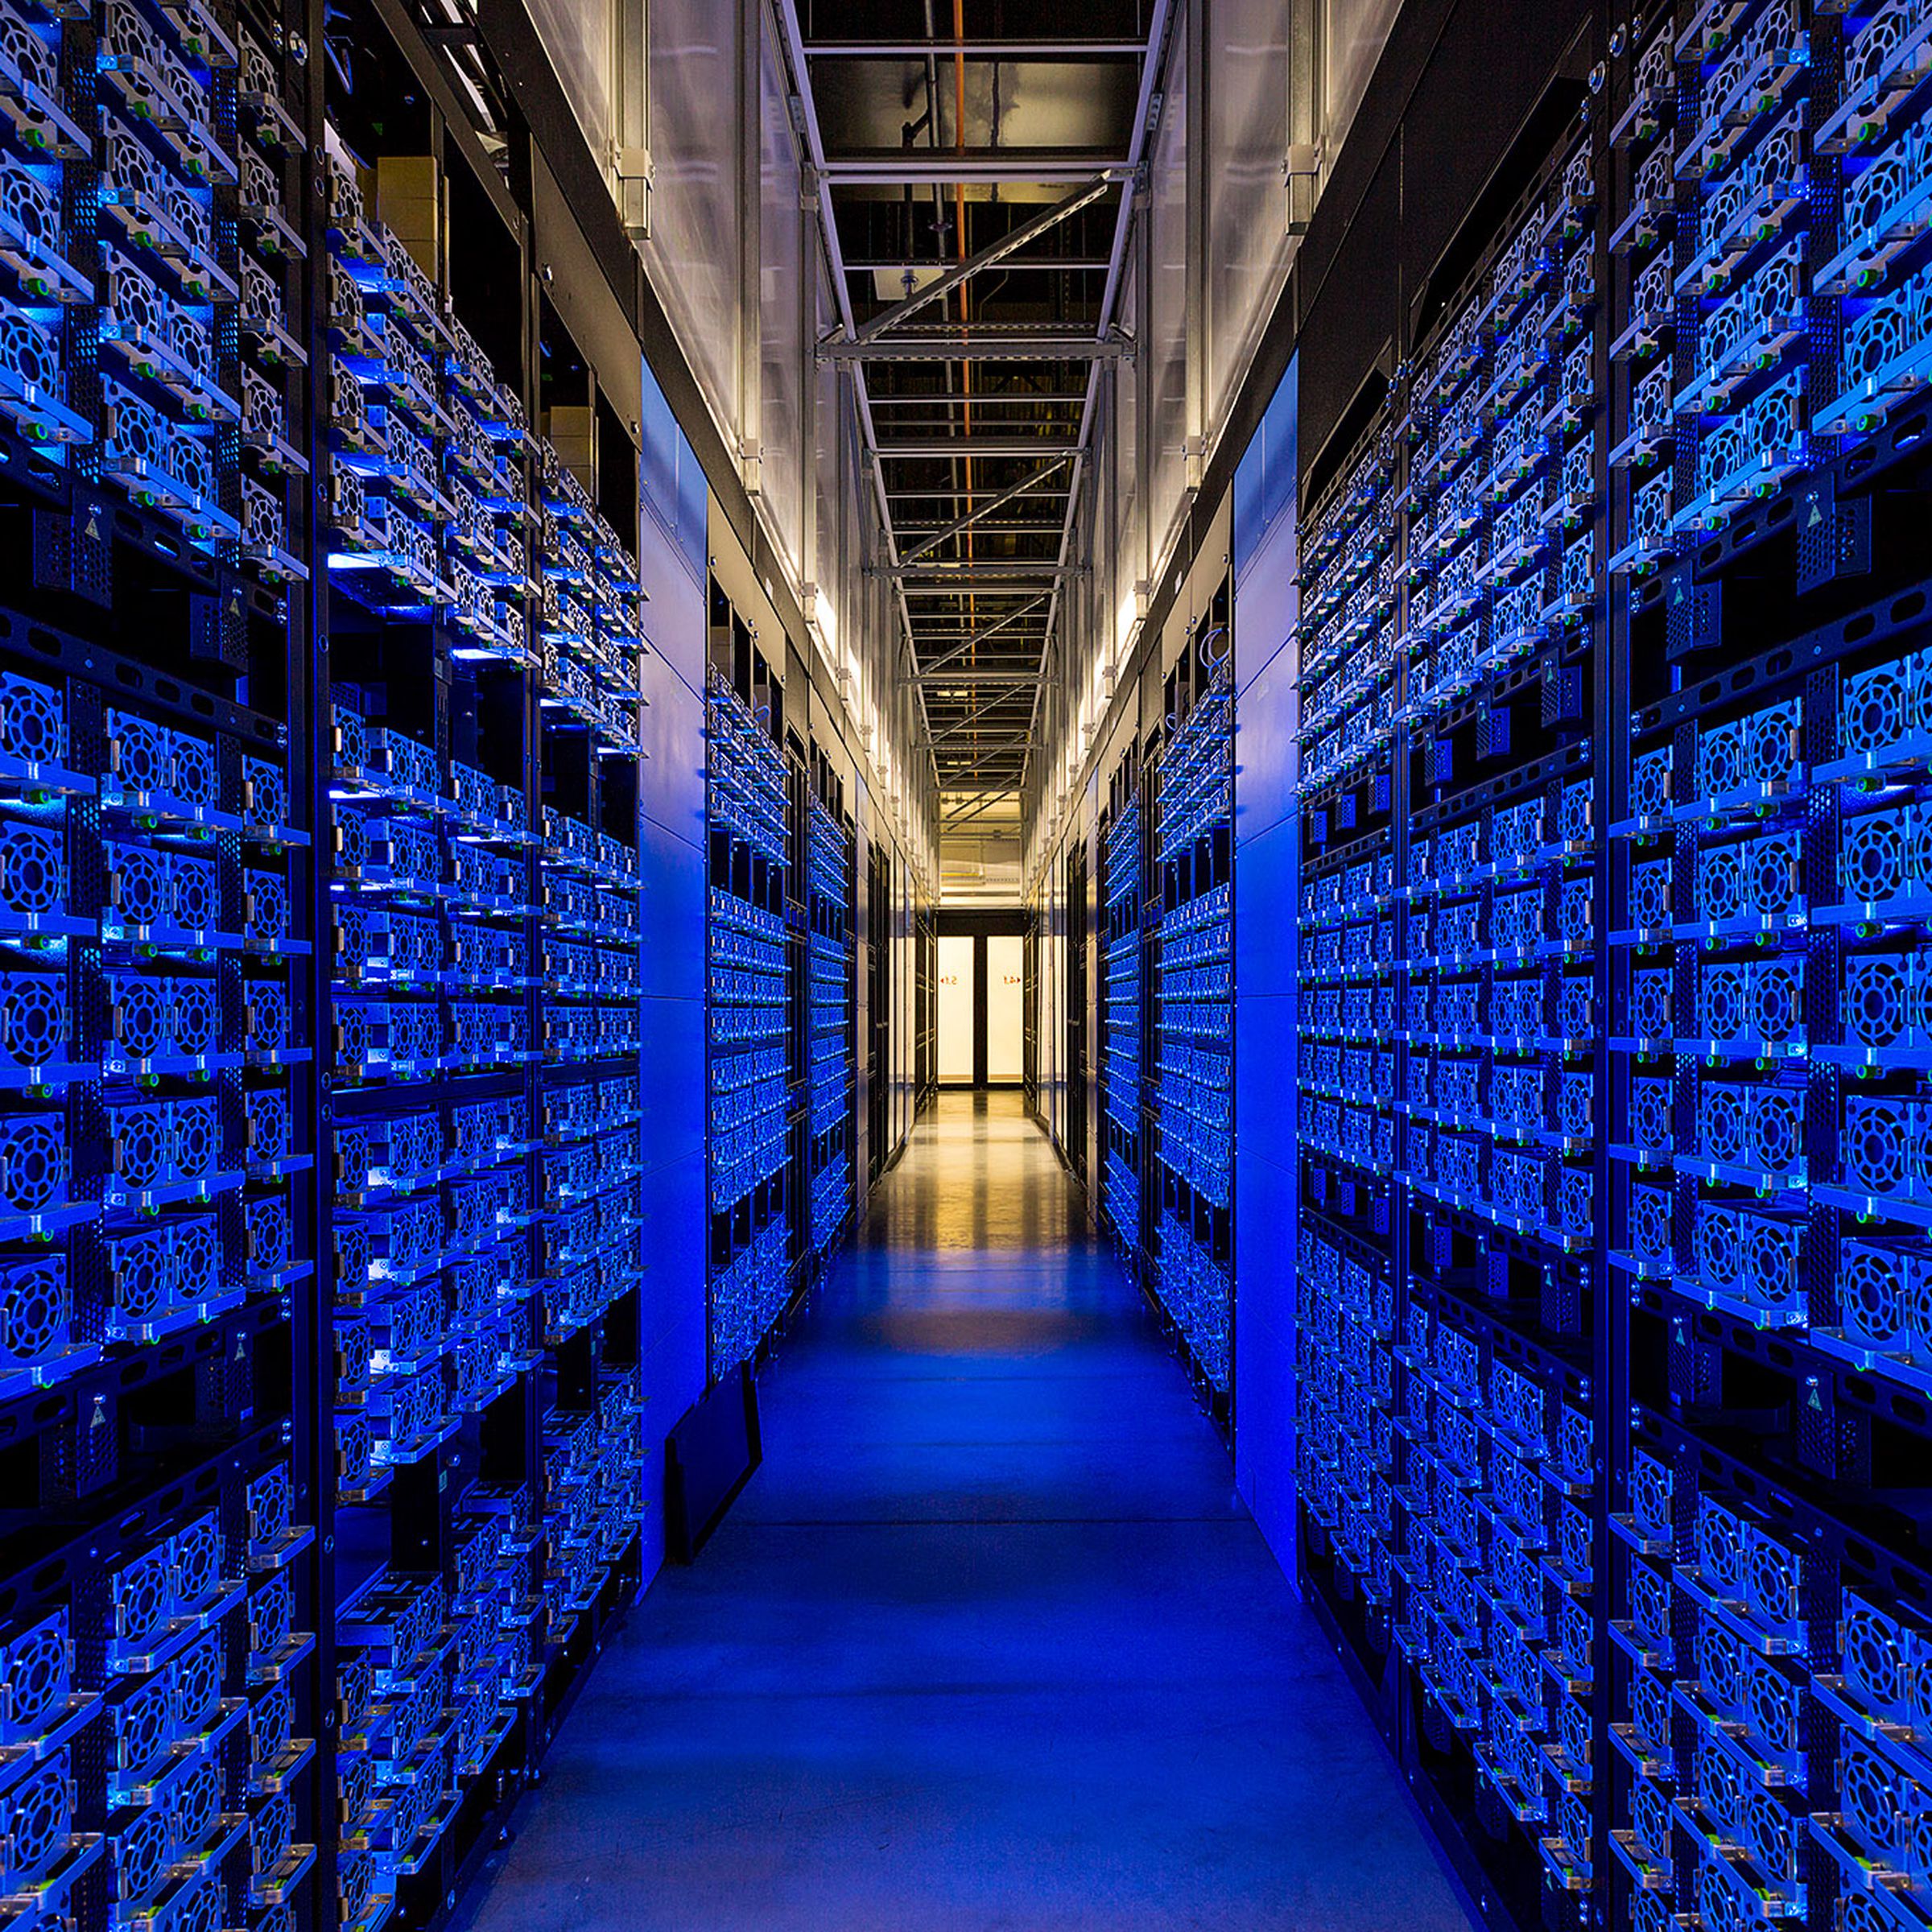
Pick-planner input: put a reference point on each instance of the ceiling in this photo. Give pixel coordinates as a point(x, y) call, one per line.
point(973, 182)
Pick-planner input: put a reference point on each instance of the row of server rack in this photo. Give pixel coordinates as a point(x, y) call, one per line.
point(1615, 1294)
point(782, 989)
point(1164, 1059)
point(322, 1214)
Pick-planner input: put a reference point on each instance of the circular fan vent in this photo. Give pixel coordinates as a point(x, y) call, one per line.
point(1724, 1001)
point(1877, 1007)
point(36, 1677)
point(1871, 1295)
point(192, 1015)
point(33, 1163)
point(36, 1308)
point(197, 1259)
point(194, 893)
point(1874, 1666)
point(141, 877)
point(141, 1140)
point(1717, 1250)
point(1875, 1151)
point(1724, 1121)
point(1870, 1803)
point(1777, 1131)
point(141, 1017)
point(197, 1133)
point(1717, 1668)
point(143, 1282)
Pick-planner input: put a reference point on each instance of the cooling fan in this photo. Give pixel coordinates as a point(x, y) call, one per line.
point(35, 1673)
point(268, 1017)
point(141, 1140)
point(1771, 1832)
point(1726, 1003)
point(191, 776)
point(271, 1614)
point(1876, 708)
point(33, 1162)
point(194, 892)
point(143, 1277)
point(1721, 1902)
point(1879, 1007)
point(1869, 1803)
point(1875, 1151)
point(271, 1725)
point(142, 1594)
point(1776, 1129)
point(197, 1258)
point(1719, 1790)
point(270, 1238)
point(1777, 999)
point(1721, 1120)
point(197, 1551)
point(1650, 1594)
point(1771, 1578)
point(1717, 1250)
point(1719, 1544)
point(1872, 1294)
point(142, 1015)
point(267, 922)
point(194, 1132)
point(30, 56)
point(143, 1850)
point(194, 1016)
point(1727, 449)
point(1874, 1647)
point(1650, 893)
point(1878, 336)
point(197, 1681)
point(1651, 1222)
point(36, 1308)
point(265, 786)
point(269, 1127)
point(1650, 1817)
point(198, 1807)
point(144, 1722)
point(1869, 57)
point(1773, 1705)
point(33, 1019)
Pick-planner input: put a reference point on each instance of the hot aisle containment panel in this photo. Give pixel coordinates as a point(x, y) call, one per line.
point(1611, 1406)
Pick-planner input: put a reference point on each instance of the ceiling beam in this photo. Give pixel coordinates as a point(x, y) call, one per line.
point(974, 517)
point(959, 444)
point(923, 168)
point(1030, 674)
point(1010, 243)
point(986, 48)
point(973, 639)
point(986, 345)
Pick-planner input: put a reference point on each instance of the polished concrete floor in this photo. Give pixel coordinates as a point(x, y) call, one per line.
point(988, 1642)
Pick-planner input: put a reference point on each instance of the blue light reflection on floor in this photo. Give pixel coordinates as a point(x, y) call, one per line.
point(988, 1642)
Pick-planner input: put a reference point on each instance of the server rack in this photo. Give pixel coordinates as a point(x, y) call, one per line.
point(1122, 1015)
point(320, 1360)
point(1611, 1438)
point(1187, 1125)
point(832, 966)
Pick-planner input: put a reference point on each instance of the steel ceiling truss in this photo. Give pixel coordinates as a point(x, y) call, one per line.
point(977, 431)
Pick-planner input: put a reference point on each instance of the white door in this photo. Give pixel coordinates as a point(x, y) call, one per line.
point(956, 993)
point(1005, 1009)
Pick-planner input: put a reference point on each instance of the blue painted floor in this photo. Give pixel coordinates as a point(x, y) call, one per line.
point(988, 1642)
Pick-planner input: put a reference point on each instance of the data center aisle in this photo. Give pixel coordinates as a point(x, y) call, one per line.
point(988, 1642)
